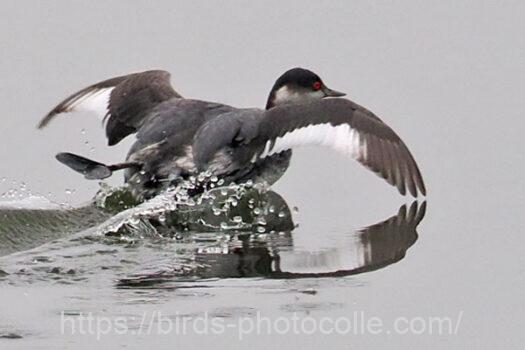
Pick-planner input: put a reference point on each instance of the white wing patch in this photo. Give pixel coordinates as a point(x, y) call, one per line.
point(96, 101)
point(341, 138)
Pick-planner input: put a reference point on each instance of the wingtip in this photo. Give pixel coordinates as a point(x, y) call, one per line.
point(50, 116)
point(423, 189)
point(417, 191)
point(43, 123)
point(420, 214)
point(413, 191)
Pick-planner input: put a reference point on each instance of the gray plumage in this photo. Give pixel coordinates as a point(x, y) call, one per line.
point(163, 143)
point(165, 146)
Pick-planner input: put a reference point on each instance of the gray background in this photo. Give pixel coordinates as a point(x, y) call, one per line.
point(448, 76)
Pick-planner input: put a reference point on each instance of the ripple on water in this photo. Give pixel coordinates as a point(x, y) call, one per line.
point(311, 306)
point(233, 312)
point(10, 335)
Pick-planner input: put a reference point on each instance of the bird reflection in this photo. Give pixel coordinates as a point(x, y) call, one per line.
point(273, 255)
point(368, 249)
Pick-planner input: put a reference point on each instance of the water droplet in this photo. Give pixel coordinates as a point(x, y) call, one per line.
point(214, 178)
point(70, 191)
point(83, 131)
point(224, 225)
point(134, 220)
point(162, 217)
point(271, 209)
point(261, 221)
point(237, 219)
point(281, 214)
point(221, 182)
point(261, 229)
point(295, 210)
point(257, 211)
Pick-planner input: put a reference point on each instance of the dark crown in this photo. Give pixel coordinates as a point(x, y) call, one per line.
point(298, 77)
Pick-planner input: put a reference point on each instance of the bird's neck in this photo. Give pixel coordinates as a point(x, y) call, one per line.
point(271, 102)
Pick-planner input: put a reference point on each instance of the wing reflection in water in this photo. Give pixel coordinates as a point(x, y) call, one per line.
point(273, 255)
point(372, 248)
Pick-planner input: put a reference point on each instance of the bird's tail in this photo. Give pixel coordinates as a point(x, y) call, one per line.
point(91, 169)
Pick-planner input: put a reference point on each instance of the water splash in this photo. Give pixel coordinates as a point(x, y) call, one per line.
point(236, 207)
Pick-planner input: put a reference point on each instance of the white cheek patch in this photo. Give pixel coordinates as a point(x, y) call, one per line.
point(290, 95)
point(341, 138)
point(283, 95)
point(94, 101)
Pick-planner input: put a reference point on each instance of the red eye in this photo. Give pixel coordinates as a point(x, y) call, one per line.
point(317, 85)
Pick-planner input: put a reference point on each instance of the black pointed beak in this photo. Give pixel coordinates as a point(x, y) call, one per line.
point(331, 93)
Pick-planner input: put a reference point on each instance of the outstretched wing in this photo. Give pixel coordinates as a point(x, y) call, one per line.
point(336, 123)
point(123, 101)
point(348, 128)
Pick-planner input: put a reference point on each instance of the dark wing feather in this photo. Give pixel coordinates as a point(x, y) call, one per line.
point(129, 99)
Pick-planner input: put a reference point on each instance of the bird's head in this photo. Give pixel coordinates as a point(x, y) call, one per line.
point(299, 85)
